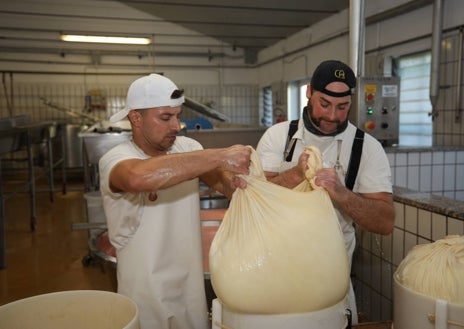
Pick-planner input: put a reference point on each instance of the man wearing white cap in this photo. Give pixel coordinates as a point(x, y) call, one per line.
point(150, 189)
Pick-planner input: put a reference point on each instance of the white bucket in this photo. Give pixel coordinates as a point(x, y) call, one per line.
point(414, 310)
point(94, 202)
point(333, 317)
point(79, 309)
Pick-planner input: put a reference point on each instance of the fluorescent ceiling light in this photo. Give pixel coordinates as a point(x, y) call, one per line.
point(102, 39)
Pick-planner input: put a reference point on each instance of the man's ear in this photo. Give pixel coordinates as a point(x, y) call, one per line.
point(308, 91)
point(135, 117)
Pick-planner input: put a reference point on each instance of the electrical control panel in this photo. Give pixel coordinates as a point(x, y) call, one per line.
point(376, 108)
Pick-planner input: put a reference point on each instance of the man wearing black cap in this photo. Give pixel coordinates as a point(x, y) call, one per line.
point(361, 196)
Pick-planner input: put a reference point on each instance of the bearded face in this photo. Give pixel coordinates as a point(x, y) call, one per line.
point(335, 123)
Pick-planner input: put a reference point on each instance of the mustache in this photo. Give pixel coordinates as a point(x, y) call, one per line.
point(317, 121)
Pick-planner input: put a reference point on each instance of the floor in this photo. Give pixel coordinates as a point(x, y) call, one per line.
point(51, 258)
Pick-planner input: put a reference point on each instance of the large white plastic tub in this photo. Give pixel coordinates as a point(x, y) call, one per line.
point(330, 318)
point(79, 309)
point(414, 310)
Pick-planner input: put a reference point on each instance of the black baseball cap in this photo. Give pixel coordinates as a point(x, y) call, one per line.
point(331, 71)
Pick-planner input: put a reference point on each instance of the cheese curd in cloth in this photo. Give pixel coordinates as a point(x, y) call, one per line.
point(279, 250)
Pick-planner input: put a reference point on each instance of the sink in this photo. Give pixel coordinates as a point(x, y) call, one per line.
point(214, 203)
point(13, 132)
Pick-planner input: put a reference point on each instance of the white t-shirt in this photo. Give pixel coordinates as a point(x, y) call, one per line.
point(124, 210)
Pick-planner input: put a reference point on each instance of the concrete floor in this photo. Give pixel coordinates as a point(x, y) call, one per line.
point(50, 258)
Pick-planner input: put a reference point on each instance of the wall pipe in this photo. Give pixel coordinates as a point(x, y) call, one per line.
point(457, 118)
point(436, 48)
point(357, 37)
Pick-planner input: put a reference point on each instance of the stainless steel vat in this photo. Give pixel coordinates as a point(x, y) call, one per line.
point(224, 137)
point(73, 145)
point(97, 144)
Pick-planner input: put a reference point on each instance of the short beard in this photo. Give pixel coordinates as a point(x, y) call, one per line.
point(316, 123)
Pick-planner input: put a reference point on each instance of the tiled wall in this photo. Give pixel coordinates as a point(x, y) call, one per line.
point(436, 171)
point(440, 172)
point(377, 257)
point(239, 102)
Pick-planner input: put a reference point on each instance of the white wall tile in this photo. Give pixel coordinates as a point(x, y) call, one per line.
point(455, 226)
point(376, 246)
point(450, 157)
point(386, 242)
point(448, 194)
point(449, 178)
point(376, 279)
point(393, 175)
point(438, 226)
point(459, 195)
point(426, 158)
point(460, 157)
point(366, 304)
point(424, 223)
point(401, 159)
point(422, 241)
point(376, 302)
point(410, 240)
point(356, 268)
point(401, 176)
point(413, 177)
point(387, 275)
point(410, 219)
point(460, 177)
point(366, 270)
point(398, 246)
point(364, 239)
point(425, 178)
point(387, 310)
point(399, 214)
point(438, 157)
point(413, 159)
point(437, 178)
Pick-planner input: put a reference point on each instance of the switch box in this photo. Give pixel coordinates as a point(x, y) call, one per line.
point(375, 108)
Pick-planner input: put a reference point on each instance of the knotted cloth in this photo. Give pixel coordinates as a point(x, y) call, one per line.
point(279, 250)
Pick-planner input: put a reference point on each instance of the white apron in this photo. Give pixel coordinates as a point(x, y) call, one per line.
point(161, 267)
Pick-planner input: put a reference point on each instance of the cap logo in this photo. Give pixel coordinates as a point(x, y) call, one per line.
point(339, 74)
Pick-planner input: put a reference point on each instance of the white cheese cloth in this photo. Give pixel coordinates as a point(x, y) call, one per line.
point(435, 269)
point(279, 250)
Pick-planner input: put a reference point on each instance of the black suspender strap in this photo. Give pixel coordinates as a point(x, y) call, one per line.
point(291, 142)
point(355, 159)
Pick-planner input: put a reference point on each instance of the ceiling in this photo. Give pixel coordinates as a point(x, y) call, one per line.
point(254, 24)
point(178, 27)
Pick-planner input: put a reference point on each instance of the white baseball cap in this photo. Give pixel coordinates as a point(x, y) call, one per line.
point(150, 91)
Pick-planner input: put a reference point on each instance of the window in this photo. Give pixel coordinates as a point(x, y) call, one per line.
point(295, 102)
point(415, 123)
point(297, 98)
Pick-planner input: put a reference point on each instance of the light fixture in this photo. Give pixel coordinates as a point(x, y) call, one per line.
point(105, 39)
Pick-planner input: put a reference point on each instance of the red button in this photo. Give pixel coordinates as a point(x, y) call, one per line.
point(369, 125)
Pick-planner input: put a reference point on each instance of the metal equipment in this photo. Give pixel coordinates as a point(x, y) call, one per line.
point(376, 108)
point(17, 133)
